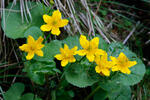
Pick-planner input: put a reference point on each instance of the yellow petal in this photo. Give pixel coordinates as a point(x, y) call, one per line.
point(63, 22)
point(39, 40)
point(46, 27)
point(59, 57)
point(30, 55)
point(114, 60)
point(97, 59)
point(66, 47)
point(125, 70)
point(100, 52)
point(55, 31)
point(94, 43)
point(131, 63)
point(72, 59)
point(56, 14)
point(47, 18)
point(64, 62)
point(30, 40)
point(122, 56)
point(81, 52)
point(39, 52)
point(90, 57)
point(74, 50)
point(24, 47)
point(106, 72)
point(115, 68)
point(84, 42)
point(97, 69)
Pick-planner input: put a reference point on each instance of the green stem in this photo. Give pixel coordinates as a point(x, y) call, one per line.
point(92, 93)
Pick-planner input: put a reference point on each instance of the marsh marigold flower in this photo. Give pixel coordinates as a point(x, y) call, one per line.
point(53, 23)
point(32, 47)
point(67, 55)
point(103, 65)
point(122, 63)
point(90, 48)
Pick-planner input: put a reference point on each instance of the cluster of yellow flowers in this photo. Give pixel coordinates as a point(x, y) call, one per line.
point(90, 49)
point(53, 23)
point(93, 53)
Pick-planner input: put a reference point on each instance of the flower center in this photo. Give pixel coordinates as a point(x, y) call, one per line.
point(32, 48)
point(54, 23)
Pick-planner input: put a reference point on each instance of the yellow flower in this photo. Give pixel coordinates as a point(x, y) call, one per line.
point(66, 55)
point(32, 47)
point(53, 23)
point(90, 48)
point(103, 65)
point(122, 63)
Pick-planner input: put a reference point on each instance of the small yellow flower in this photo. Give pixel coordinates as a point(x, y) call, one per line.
point(103, 65)
point(90, 48)
point(32, 47)
point(53, 23)
point(122, 63)
point(66, 55)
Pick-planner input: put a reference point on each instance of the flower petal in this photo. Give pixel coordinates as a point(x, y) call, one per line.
point(24, 47)
point(59, 57)
point(90, 57)
point(122, 56)
point(56, 14)
point(115, 68)
point(39, 52)
point(39, 40)
point(55, 31)
point(46, 27)
point(100, 52)
point(97, 69)
point(30, 40)
point(106, 72)
point(131, 63)
point(66, 48)
point(72, 59)
point(84, 42)
point(64, 62)
point(74, 49)
point(81, 52)
point(47, 18)
point(63, 22)
point(125, 70)
point(94, 43)
point(30, 55)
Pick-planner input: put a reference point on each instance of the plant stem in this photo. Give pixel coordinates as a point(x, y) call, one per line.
point(92, 93)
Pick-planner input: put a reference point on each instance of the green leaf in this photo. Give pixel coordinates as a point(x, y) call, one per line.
point(30, 66)
point(50, 50)
point(114, 90)
point(14, 92)
point(120, 93)
point(28, 96)
point(102, 43)
point(137, 71)
point(72, 41)
point(80, 76)
point(100, 95)
point(14, 27)
point(34, 31)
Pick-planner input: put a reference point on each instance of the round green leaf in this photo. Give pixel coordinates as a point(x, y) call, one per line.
point(30, 66)
point(72, 41)
point(15, 91)
point(14, 27)
point(50, 50)
point(34, 31)
point(27, 96)
point(80, 76)
point(137, 71)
